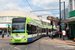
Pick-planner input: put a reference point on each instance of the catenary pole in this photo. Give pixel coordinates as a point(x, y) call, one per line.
point(60, 16)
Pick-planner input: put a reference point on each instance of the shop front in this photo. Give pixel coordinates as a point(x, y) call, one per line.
point(71, 26)
point(4, 27)
point(71, 29)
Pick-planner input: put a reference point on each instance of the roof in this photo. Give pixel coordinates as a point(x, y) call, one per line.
point(19, 13)
point(69, 20)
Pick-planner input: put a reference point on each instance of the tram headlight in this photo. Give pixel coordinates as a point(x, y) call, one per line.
point(12, 37)
point(24, 37)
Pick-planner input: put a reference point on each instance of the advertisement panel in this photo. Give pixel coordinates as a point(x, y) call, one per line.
point(4, 25)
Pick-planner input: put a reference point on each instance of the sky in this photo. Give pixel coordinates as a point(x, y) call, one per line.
point(23, 5)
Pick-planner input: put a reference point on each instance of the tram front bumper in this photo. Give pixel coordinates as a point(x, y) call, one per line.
point(18, 40)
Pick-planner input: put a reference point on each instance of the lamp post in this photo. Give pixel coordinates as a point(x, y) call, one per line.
point(60, 17)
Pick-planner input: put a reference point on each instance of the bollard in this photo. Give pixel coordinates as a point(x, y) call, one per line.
point(74, 39)
point(2, 35)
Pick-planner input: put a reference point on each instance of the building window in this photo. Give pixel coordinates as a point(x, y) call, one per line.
point(71, 5)
point(3, 18)
point(74, 4)
point(10, 18)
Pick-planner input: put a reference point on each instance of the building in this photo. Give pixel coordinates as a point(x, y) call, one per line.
point(71, 19)
point(55, 21)
point(6, 17)
point(66, 14)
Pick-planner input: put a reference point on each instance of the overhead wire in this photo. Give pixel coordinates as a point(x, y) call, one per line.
point(32, 9)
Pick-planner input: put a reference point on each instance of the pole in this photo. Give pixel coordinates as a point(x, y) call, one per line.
point(60, 15)
point(52, 25)
point(64, 10)
point(64, 14)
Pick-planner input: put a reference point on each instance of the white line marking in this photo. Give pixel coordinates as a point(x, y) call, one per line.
point(2, 49)
point(17, 48)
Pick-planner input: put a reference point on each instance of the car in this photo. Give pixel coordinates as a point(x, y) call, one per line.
point(56, 33)
point(51, 34)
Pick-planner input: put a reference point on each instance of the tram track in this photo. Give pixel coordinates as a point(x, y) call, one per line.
point(18, 47)
point(12, 47)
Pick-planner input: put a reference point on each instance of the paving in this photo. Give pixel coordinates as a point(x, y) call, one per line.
point(61, 41)
point(5, 37)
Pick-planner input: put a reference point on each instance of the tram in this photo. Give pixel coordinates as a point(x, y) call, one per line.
point(24, 30)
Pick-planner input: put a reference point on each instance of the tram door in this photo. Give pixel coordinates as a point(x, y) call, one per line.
point(71, 31)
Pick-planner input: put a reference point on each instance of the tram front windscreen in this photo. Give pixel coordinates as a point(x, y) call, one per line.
point(18, 25)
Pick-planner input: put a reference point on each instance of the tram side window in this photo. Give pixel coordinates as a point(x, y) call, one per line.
point(28, 28)
point(33, 28)
point(44, 30)
point(39, 30)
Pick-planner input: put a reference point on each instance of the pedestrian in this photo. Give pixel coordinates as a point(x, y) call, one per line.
point(8, 34)
point(64, 34)
point(52, 33)
point(3, 33)
point(67, 33)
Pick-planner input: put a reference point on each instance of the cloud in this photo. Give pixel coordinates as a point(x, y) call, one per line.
point(49, 4)
point(43, 14)
point(46, 3)
point(57, 15)
point(14, 5)
point(22, 5)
